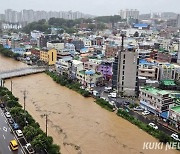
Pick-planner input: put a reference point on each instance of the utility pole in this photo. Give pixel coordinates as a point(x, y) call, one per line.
point(11, 85)
point(46, 116)
point(24, 93)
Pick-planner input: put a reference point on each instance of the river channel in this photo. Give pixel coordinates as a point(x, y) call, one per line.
point(76, 123)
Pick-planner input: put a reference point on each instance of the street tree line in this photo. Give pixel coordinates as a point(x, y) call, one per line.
point(31, 129)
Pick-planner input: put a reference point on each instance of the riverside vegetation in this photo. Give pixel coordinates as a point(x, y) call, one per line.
point(31, 129)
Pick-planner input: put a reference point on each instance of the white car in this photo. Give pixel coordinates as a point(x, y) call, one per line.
point(175, 137)
point(7, 114)
point(112, 103)
point(138, 108)
point(113, 95)
point(145, 113)
point(19, 133)
point(153, 125)
point(29, 148)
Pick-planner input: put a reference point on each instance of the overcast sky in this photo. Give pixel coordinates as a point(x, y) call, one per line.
point(94, 7)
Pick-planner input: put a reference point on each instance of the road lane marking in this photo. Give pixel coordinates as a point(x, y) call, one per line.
point(5, 129)
point(4, 136)
point(9, 148)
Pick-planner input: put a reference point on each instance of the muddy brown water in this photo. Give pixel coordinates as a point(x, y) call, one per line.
point(76, 123)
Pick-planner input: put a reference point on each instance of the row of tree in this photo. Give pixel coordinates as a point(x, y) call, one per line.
point(29, 126)
point(70, 26)
point(8, 53)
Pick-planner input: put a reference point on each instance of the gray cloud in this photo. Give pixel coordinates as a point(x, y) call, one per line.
point(96, 7)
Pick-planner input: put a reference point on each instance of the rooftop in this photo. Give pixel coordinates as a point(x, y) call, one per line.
point(168, 82)
point(155, 91)
point(176, 109)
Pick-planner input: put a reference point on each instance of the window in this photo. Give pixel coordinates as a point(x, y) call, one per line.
point(124, 56)
point(52, 56)
point(122, 77)
point(123, 61)
point(123, 67)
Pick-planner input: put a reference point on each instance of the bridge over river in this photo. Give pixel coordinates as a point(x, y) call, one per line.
point(21, 72)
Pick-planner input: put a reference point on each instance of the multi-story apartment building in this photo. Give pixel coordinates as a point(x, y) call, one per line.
point(89, 78)
point(125, 14)
point(174, 116)
point(106, 69)
point(58, 45)
point(125, 76)
point(155, 100)
point(49, 56)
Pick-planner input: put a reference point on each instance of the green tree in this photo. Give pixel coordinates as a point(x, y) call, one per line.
point(30, 132)
point(42, 142)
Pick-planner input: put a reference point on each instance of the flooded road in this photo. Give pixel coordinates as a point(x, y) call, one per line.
point(76, 123)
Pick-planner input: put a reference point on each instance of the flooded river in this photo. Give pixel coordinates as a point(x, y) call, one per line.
point(76, 123)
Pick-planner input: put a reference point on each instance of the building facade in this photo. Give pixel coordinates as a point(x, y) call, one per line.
point(49, 56)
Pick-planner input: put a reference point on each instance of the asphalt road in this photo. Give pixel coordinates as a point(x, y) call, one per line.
point(6, 136)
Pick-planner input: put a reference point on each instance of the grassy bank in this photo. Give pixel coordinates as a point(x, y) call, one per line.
point(28, 125)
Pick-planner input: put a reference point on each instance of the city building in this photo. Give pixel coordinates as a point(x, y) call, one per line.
point(106, 69)
point(111, 51)
point(155, 100)
point(178, 21)
point(125, 14)
point(174, 116)
point(58, 45)
point(48, 56)
point(127, 75)
point(89, 78)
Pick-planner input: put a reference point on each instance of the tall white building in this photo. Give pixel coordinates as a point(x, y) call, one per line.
point(178, 20)
point(178, 58)
point(127, 78)
point(125, 14)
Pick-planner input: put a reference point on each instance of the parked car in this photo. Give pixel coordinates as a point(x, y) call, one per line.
point(126, 103)
point(153, 125)
point(112, 103)
point(7, 114)
point(14, 145)
point(29, 148)
point(104, 98)
point(138, 108)
point(2, 105)
point(175, 137)
point(15, 126)
point(10, 121)
point(145, 113)
point(96, 93)
point(113, 95)
point(107, 89)
point(19, 133)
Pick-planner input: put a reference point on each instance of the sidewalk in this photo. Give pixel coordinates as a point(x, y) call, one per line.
point(167, 126)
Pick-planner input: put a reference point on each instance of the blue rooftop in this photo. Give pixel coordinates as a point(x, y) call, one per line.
point(141, 25)
point(145, 62)
point(89, 72)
